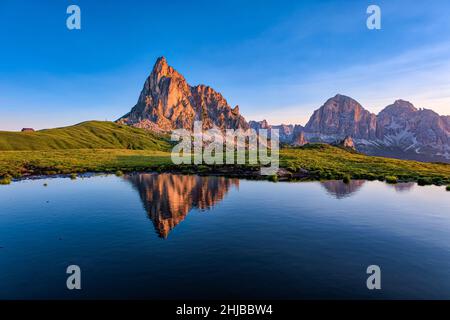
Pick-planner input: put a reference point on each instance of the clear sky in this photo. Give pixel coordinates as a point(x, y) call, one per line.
point(277, 60)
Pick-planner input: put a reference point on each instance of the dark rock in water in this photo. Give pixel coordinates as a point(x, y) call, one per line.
point(283, 174)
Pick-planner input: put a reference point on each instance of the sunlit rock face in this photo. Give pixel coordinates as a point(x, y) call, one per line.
point(342, 116)
point(348, 143)
point(168, 102)
point(420, 133)
point(299, 139)
point(400, 130)
point(168, 198)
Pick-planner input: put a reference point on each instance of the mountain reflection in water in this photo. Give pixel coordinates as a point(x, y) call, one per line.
point(168, 198)
point(340, 190)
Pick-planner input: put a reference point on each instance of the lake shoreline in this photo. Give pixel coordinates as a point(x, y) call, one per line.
point(244, 173)
point(313, 162)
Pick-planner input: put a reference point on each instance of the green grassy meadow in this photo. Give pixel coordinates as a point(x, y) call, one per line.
point(97, 146)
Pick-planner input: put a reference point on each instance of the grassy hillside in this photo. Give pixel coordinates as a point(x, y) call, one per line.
point(86, 135)
point(329, 162)
point(108, 147)
point(321, 161)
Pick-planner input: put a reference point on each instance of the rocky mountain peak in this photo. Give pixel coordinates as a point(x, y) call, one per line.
point(399, 107)
point(342, 116)
point(168, 102)
point(160, 65)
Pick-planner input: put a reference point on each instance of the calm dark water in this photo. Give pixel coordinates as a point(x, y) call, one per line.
point(174, 236)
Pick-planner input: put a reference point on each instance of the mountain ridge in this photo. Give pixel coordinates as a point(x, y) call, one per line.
point(400, 130)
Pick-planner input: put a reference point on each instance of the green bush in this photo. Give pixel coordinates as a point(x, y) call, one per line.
point(119, 173)
point(437, 181)
point(424, 181)
point(346, 179)
point(73, 176)
point(5, 180)
point(391, 179)
point(448, 188)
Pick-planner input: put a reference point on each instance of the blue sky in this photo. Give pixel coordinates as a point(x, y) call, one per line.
point(277, 60)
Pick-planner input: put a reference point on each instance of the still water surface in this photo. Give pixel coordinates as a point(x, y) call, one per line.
point(176, 236)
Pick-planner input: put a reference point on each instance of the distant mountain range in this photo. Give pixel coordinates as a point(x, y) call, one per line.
point(400, 130)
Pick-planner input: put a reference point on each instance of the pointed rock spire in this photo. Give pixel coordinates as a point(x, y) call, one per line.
point(168, 102)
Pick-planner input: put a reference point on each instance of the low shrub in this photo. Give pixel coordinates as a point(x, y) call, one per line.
point(391, 179)
point(119, 173)
point(424, 181)
point(5, 180)
point(437, 181)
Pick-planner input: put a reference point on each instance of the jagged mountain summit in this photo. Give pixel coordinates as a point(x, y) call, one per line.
point(168, 102)
point(405, 131)
point(400, 130)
